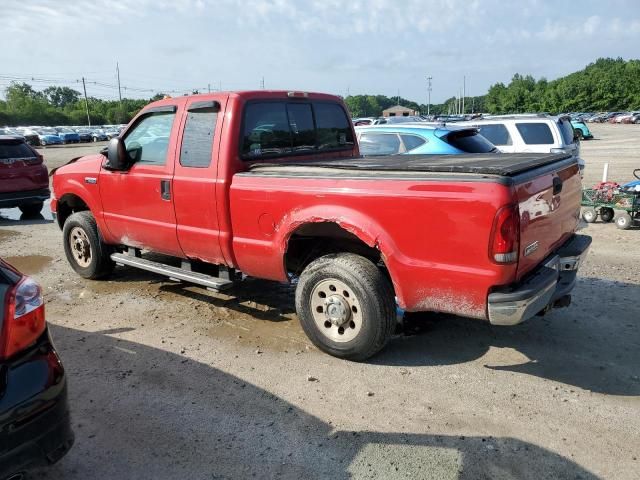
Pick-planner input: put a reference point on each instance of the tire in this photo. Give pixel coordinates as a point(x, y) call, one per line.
point(607, 214)
point(360, 298)
point(624, 221)
point(88, 255)
point(95, 139)
point(589, 215)
point(31, 208)
point(579, 134)
point(43, 143)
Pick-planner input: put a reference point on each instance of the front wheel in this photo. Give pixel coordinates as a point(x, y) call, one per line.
point(88, 255)
point(624, 221)
point(346, 306)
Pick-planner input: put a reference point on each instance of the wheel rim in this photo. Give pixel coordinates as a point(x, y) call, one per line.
point(80, 246)
point(336, 310)
point(589, 215)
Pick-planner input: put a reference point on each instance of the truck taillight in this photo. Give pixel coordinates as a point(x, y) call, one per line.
point(24, 317)
point(505, 235)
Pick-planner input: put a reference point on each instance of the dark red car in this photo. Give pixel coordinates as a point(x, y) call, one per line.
point(35, 429)
point(24, 179)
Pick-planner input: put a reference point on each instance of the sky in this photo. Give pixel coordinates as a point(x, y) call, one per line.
point(335, 46)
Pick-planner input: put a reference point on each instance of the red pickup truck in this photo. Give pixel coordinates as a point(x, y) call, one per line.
point(270, 184)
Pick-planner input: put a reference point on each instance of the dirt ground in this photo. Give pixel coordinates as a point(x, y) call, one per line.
point(174, 382)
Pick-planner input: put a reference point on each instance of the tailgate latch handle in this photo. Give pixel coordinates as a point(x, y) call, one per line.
point(165, 189)
point(557, 185)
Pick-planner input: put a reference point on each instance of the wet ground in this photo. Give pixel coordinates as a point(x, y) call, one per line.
point(168, 381)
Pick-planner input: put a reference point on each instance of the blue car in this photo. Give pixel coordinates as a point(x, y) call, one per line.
point(581, 130)
point(420, 139)
point(48, 136)
point(67, 135)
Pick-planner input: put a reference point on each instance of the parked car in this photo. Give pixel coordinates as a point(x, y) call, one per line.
point(98, 135)
point(631, 117)
point(363, 121)
point(85, 135)
point(24, 179)
point(399, 119)
point(35, 426)
point(421, 139)
point(525, 133)
point(67, 135)
point(48, 136)
point(31, 136)
point(12, 133)
point(294, 200)
point(111, 133)
point(581, 130)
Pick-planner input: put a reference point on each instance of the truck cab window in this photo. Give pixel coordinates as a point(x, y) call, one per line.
point(149, 140)
point(197, 141)
point(272, 129)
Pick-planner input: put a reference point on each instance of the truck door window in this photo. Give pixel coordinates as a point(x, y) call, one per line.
point(149, 140)
point(535, 133)
point(197, 140)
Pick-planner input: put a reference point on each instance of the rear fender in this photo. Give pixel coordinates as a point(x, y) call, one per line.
point(355, 222)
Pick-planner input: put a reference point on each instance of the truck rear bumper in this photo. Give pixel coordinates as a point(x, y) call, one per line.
point(554, 279)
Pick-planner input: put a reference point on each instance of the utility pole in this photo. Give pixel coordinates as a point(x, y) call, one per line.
point(208, 88)
point(429, 94)
point(86, 102)
point(262, 83)
point(119, 91)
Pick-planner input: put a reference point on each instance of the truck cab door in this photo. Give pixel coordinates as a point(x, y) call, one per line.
point(195, 179)
point(138, 203)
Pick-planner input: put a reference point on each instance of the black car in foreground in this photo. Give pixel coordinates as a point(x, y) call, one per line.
point(35, 428)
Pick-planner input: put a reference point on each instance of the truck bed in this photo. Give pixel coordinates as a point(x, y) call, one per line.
point(502, 165)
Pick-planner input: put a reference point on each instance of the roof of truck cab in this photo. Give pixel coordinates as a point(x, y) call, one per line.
point(248, 95)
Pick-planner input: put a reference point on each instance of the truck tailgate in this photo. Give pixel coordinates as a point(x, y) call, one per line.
point(549, 203)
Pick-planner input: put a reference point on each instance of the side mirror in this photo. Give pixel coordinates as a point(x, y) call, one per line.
point(117, 158)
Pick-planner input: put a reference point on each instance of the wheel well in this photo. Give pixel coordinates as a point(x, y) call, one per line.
point(313, 240)
point(67, 205)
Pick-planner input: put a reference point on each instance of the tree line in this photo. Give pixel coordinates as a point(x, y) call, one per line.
point(605, 85)
point(63, 106)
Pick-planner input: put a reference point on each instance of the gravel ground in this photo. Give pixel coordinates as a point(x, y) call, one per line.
point(176, 382)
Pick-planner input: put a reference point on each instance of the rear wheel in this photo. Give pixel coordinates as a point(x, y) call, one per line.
point(624, 221)
point(88, 255)
point(607, 214)
point(31, 208)
point(346, 306)
point(579, 134)
point(43, 142)
point(589, 215)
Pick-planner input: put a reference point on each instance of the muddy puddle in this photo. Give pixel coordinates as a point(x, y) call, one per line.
point(29, 264)
point(15, 215)
point(5, 234)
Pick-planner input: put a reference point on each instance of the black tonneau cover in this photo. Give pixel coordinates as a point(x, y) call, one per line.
point(503, 164)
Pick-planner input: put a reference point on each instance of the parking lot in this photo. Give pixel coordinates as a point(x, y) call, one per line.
point(168, 381)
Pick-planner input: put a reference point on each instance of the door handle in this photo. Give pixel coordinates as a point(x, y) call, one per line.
point(165, 189)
